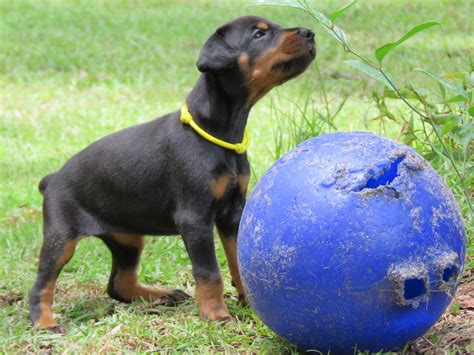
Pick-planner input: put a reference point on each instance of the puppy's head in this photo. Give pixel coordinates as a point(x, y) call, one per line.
point(265, 54)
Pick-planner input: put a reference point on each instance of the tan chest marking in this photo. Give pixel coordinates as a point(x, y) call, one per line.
point(219, 186)
point(243, 182)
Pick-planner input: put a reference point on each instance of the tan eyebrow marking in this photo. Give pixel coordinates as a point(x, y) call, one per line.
point(262, 26)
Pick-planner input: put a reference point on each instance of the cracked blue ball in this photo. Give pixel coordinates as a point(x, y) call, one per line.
point(351, 241)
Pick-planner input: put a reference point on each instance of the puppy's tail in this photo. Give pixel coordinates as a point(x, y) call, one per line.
point(44, 183)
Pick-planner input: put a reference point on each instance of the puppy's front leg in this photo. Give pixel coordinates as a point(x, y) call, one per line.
point(198, 237)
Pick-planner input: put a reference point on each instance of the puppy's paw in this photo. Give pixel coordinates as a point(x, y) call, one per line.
point(176, 297)
point(243, 299)
point(241, 293)
point(215, 314)
point(57, 329)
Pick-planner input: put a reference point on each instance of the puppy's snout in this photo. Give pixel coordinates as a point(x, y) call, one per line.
point(307, 34)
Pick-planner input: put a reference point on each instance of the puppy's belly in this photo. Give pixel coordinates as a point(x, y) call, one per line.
point(144, 212)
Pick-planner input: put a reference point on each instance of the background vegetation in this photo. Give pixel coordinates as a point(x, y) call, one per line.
point(74, 71)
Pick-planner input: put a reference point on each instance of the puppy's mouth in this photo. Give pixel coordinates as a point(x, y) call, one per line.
point(298, 63)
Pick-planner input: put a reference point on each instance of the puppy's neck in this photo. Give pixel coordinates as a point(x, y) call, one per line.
point(220, 109)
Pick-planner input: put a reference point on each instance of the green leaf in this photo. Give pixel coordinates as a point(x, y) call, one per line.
point(442, 90)
point(449, 125)
point(454, 88)
point(370, 71)
point(338, 34)
point(471, 111)
point(382, 51)
point(454, 75)
point(457, 98)
point(441, 118)
point(464, 133)
point(405, 93)
point(333, 16)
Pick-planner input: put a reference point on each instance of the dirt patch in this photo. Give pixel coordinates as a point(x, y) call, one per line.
point(454, 331)
point(9, 299)
point(26, 214)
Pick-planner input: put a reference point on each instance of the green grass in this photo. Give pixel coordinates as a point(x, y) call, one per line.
point(74, 71)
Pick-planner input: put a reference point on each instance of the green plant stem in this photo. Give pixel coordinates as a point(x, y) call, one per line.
point(325, 96)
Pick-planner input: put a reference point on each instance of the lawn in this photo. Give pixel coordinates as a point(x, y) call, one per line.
point(74, 71)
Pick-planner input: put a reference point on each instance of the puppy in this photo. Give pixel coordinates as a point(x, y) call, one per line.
point(180, 174)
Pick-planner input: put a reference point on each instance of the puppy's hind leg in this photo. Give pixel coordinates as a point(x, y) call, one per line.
point(58, 248)
point(123, 282)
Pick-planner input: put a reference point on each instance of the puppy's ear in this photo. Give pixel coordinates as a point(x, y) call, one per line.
point(216, 53)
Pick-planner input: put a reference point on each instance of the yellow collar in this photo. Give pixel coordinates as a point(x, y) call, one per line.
point(239, 148)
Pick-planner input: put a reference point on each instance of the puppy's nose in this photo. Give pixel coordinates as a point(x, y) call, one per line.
point(304, 32)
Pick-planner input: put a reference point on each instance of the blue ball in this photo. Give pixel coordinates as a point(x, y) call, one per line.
point(351, 241)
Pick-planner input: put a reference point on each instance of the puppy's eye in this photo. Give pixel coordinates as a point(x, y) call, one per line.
point(258, 34)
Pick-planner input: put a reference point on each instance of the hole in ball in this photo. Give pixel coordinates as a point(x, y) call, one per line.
point(413, 288)
point(385, 178)
point(450, 273)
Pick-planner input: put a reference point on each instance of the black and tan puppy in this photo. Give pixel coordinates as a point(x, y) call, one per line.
point(163, 178)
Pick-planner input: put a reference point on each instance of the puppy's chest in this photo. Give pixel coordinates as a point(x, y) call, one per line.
point(229, 182)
